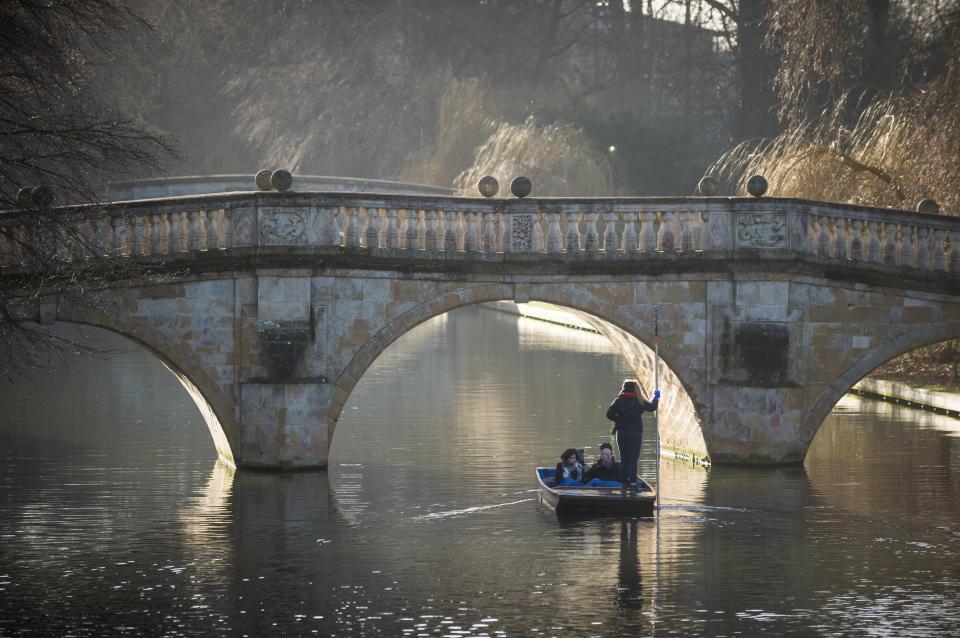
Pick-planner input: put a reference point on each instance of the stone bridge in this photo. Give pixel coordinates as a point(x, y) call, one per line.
point(269, 307)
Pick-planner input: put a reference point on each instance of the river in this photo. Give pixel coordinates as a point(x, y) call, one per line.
point(116, 520)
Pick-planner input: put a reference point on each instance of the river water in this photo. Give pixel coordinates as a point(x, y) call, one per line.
point(115, 519)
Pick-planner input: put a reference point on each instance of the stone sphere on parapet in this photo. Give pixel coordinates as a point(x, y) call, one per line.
point(708, 186)
point(757, 185)
point(521, 186)
point(281, 179)
point(929, 206)
point(262, 180)
point(41, 196)
point(488, 186)
point(25, 196)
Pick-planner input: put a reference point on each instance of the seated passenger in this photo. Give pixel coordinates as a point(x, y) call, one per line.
point(606, 468)
point(570, 467)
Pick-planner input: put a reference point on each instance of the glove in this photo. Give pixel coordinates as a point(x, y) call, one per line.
point(656, 394)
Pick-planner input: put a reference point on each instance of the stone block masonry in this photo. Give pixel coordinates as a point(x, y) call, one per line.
point(272, 314)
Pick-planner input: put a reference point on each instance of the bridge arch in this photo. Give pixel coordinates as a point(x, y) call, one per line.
point(683, 434)
point(902, 344)
point(214, 407)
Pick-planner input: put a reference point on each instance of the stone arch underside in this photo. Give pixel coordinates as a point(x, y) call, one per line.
point(904, 343)
point(214, 407)
point(680, 420)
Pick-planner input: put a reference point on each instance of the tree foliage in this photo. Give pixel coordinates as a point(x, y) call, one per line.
point(870, 92)
point(53, 130)
point(56, 133)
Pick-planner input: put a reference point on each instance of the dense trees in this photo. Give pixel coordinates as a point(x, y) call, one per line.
point(369, 87)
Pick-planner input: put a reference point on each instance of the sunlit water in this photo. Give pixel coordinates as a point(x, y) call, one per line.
point(114, 518)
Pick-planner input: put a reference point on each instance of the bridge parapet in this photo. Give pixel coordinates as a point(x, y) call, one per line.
point(402, 226)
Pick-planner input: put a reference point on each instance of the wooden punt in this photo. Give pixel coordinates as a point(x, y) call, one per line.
point(595, 500)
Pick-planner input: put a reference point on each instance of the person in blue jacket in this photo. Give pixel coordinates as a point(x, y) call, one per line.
point(626, 412)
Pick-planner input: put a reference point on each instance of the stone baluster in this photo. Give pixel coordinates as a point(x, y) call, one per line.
point(953, 259)
point(104, 241)
point(198, 231)
point(434, 241)
point(130, 235)
point(629, 233)
point(36, 242)
point(348, 230)
point(421, 218)
point(73, 240)
point(183, 236)
point(665, 238)
point(697, 231)
point(489, 234)
point(939, 251)
point(217, 233)
point(554, 235)
point(648, 231)
point(823, 236)
point(412, 229)
point(907, 253)
point(229, 228)
point(374, 229)
point(591, 240)
point(23, 237)
point(157, 244)
point(813, 235)
point(140, 239)
point(211, 227)
point(441, 230)
point(873, 243)
point(923, 248)
point(451, 229)
point(856, 240)
point(610, 243)
point(470, 239)
point(572, 241)
point(172, 231)
point(59, 242)
point(359, 219)
point(86, 239)
point(538, 242)
point(888, 244)
point(840, 238)
point(685, 221)
point(393, 228)
point(21, 240)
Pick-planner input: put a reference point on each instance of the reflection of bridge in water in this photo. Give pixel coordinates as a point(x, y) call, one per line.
point(269, 307)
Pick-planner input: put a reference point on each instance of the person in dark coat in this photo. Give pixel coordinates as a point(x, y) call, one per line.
point(606, 468)
point(626, 412)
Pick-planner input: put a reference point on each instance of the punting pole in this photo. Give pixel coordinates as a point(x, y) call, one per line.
point(656, 386)
point(656, 426)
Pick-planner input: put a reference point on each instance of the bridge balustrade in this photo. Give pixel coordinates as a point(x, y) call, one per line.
point(464, 228)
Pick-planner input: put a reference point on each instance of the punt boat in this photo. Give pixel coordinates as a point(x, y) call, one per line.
point(595, 500)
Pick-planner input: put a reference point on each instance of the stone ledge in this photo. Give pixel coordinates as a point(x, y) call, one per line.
point(903, 394)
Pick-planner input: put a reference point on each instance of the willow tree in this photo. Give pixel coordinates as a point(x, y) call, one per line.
point(870, 95)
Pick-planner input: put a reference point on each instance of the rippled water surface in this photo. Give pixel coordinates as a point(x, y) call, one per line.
point(114, 518)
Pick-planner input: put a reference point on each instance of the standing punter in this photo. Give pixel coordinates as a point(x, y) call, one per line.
point(626, 412)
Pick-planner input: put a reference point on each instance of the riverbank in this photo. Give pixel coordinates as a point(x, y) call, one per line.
point(939, 398)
